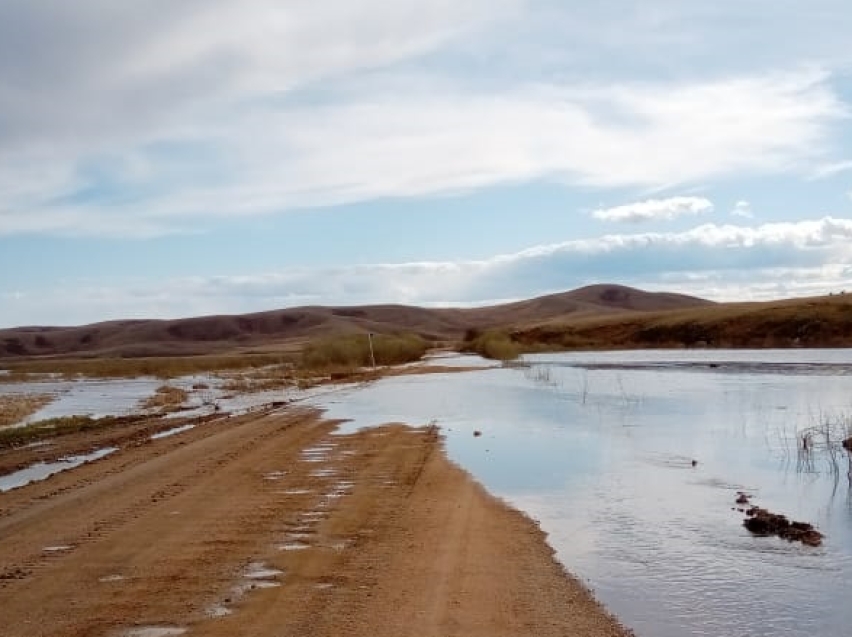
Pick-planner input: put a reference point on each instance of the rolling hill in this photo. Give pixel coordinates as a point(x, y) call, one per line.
point(288, 328)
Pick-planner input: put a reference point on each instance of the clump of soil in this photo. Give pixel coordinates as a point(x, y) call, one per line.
point(763, 522)
point(847, 444)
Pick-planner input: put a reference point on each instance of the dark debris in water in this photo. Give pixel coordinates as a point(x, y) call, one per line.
point(762, 522)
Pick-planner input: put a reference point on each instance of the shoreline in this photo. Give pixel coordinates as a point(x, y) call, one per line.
point(374, 533)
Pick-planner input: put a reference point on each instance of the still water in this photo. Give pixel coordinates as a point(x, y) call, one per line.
point(599, 447)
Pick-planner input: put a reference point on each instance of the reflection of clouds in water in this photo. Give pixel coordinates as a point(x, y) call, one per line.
point(603, 459)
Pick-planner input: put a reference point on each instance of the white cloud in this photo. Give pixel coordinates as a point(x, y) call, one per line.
point(723, 262)
point(742, 209)
point(397, 140)
point(655, 209)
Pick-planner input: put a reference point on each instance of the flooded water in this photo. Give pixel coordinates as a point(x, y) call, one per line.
point(168, 433)
point(122, 396)
point(85, 397)
point(599, 447)
point(43, 470)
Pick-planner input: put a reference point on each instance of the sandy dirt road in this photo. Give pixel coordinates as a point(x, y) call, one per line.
point(272, 525)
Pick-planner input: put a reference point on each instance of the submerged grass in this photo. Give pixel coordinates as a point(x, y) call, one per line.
point(54, 427)
point(13, 409)
point(166, 397)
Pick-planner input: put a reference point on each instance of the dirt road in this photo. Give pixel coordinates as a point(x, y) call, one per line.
point(271, 525)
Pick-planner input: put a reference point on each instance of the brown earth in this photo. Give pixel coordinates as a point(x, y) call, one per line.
point(163, 533)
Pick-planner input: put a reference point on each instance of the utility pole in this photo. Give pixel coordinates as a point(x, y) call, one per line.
point(372, 354)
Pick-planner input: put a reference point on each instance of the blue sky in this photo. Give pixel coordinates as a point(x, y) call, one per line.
point(162, 159)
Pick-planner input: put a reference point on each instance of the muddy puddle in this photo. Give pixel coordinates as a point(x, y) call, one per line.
point(631, 462)
point(43, 470)
point(168, 433)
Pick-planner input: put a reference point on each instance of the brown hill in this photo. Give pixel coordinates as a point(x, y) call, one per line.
point(285, 328)
point(806, 322)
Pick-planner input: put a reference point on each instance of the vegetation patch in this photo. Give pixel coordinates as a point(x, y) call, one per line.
point(166, 398)
point(353, 350)
point(494, 344)
point(165, 367)
point(815, 322)
point(14, 409)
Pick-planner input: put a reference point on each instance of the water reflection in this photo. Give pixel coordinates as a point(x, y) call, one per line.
point(602, 455)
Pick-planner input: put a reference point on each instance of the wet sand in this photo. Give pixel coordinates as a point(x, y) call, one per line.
point(271, 525)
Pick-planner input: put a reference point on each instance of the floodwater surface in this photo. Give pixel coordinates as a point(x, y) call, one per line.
point(599, 448)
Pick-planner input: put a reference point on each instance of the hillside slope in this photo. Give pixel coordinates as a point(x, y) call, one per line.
point(286, 327)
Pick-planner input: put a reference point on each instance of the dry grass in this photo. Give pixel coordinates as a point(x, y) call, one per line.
point(13, 409)
point(349, 351)
point(166, 367)
point(812, 322)
point(166, 398)
point(492, 344)
point(260, 379)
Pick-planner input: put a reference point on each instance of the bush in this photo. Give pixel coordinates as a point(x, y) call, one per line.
point(353, 350)
point(495, 345)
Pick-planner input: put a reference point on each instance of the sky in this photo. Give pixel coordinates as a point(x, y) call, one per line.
point(162, 159)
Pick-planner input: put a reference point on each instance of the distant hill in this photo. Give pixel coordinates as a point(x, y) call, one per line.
point(824, 321)
point(288, 328)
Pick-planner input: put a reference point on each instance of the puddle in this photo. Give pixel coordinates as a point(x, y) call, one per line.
point(338, 546)
point(293, 546)
point(256, 576)
point(111, 578)
point(172, 432)
point(274, 475)
point(256, 570)
point(57, 549)
point(325, 448)
point(43, 470)
point(323, 586)
point(297, 492)
point(302, 528)
point(39, 443)
point(219, 610)
point(323, 473)
point(155, 631)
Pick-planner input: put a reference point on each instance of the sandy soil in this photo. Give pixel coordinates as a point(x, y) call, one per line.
point(270, 525)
